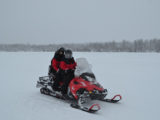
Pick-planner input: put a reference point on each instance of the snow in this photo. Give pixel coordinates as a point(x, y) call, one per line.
point(136, 76)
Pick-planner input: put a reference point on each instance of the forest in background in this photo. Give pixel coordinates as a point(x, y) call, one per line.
point(140, 45)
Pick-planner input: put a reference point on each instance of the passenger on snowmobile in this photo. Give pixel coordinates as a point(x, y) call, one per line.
point(66, 71)
point(55, 62)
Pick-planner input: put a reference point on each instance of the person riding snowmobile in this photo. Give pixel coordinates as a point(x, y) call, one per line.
point(55, 62)
point(54, 67)
point(66, 71)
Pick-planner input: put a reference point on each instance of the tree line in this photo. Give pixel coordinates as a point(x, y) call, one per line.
point(140, 45)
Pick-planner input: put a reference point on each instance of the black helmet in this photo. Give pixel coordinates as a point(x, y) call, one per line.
point(61, 50)
point(68, 54)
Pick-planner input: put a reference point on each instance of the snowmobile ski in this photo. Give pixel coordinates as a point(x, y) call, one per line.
point(94, 108)
point(113, 100)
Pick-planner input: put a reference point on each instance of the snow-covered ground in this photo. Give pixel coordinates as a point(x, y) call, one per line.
point(136, 76)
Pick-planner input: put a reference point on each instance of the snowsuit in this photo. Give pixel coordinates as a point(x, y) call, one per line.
point(55, 62)
point(66, 73)
point(54, 68)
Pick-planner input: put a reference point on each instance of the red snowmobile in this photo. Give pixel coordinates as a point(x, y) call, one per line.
point(82, 89)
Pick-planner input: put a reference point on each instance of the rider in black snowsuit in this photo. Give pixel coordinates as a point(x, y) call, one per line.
point(54, 67)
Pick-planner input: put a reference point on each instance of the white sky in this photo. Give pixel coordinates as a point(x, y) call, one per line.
point(63, 21)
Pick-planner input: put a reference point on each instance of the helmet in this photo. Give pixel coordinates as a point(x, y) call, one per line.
point(61, 50)
point(68, 54)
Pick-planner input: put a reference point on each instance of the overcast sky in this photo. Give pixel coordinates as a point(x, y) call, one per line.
point(63, 21)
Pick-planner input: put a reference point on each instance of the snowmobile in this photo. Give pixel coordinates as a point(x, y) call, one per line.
point(81, 90)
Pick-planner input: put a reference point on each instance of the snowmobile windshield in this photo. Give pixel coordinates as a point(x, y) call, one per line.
point(83, 67)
